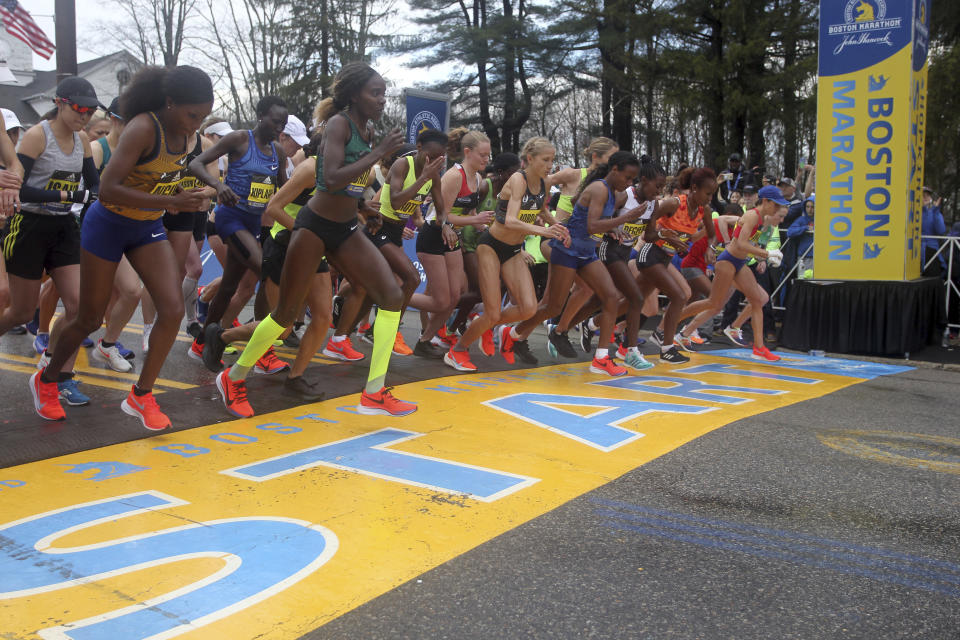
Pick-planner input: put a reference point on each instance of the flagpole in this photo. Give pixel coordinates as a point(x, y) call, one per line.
point(65, 26)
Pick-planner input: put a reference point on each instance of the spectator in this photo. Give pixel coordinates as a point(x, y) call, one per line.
point(749, 199)
point(932, 225)
point(801, 231)
point(789, 189)
point(12, 122)
point(730, 180)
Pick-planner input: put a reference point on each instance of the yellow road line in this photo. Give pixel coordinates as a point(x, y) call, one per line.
point(87, 379)
point(82, 365)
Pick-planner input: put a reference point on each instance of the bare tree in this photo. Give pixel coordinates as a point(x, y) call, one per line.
point(157, 30)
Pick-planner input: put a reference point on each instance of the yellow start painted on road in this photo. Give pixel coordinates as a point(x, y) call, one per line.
point(272, 526)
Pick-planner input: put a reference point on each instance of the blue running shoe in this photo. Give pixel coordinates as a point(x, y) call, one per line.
point(18, 330)
point(34, 325)
point(41, 342)
point(87, 343)
point(124, 352)
point(70, 394)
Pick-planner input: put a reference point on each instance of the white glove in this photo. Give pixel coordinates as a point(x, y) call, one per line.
point(774, 257)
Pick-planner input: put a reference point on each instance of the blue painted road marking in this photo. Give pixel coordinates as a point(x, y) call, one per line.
point(836, 366)
point(734, 370)
point(599, 429)
point(105, 470)
point(368, 455)
point(686, 388)
point(262, 556)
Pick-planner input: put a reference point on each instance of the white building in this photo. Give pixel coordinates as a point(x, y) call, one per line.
point(31, 94)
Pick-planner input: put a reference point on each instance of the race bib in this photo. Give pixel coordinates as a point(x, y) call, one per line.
point(356, 188)
point(261, 189)
point(634, 229)
point(410, 207)
point(168, 184)
point(528, 215)
point(62, 181)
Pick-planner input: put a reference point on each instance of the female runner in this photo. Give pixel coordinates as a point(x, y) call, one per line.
point(446, 266)
point(163, 108)
point(521, 203)
point(256, 168)
point(592, 217)
point(751, 235)
point(328, 225)
point(410, 180)
point(671, 233)
point(44, 235)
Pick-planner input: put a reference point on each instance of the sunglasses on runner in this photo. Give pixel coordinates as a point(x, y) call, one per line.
point(76, 107)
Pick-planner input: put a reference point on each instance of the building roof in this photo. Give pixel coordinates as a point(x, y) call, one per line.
point(44, 83)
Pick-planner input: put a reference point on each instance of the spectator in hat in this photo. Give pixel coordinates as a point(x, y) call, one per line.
point(293, 139)
point(932, 224)
point(12, 123)
point(731, 179)
point(749, 199)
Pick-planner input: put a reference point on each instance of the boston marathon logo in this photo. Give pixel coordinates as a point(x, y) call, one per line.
point(865, 22)
point(422, 121)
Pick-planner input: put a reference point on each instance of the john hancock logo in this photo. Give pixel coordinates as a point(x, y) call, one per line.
point(865, 22)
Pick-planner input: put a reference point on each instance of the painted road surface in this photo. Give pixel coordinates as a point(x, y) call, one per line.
point(274, 526)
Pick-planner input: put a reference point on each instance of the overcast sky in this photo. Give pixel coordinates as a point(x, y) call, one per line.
point(91, 44)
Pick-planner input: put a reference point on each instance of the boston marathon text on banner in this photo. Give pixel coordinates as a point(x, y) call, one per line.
point(870, 138)
point(425, 110)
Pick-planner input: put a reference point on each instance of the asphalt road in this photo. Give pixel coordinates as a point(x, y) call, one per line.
point(756, 530)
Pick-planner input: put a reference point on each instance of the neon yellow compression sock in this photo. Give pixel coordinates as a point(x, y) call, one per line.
point(384, 335)
point(261, 340)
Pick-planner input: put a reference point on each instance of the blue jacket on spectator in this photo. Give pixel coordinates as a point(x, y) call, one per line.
point(933, 225)
point(798, 230)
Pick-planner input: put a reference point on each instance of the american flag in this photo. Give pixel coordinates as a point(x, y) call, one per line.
point(20, 24)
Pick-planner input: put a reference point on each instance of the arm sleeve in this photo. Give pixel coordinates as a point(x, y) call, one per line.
point(34, 194)
point(91, 177)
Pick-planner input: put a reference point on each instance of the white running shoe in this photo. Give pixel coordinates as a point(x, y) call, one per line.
point(147, 328)
point(111, 357)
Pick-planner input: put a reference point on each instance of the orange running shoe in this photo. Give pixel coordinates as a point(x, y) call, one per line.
point(400, 347)
point(607, 366)
point(762, 353)
point(342, 350)
point(364, 327)
point(270, 364)
point(46, 398)
point(196, 350)
point(145, 407)
point(446, 336)
point(459, 360)
point(621, 352)
point(506, 344)
point(696, 338)
point(383, 403)
point(234, 395)
point(487, 347)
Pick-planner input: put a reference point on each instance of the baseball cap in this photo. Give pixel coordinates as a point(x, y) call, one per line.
point(787, 181)
point(219, 128)
point(749, 188)
point(78, 91)
point(773, 194)
point(10, 120)
point(925, 188)
point(735, 157)
point(296, 130)
point(113, 110)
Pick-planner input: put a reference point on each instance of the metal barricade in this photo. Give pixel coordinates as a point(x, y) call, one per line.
point(950, 244)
